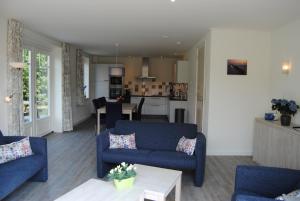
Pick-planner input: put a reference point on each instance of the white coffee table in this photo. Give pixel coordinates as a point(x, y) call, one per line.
point(151, 183)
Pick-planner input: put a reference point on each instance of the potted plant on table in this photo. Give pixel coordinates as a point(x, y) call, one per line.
point(123, 176)
point(286, 109)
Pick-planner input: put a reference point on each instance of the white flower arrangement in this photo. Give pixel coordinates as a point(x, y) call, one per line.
point(123, 171)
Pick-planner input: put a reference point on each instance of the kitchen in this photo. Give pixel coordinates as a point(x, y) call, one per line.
point(162, 81)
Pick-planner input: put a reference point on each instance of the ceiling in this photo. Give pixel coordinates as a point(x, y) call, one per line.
point(139, 26)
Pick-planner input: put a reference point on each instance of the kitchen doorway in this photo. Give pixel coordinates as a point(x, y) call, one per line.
point(200, 87)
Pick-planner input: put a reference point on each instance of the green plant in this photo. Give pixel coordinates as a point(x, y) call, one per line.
point(123, 171)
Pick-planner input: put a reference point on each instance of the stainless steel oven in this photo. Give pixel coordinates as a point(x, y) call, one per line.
point(115, 87)
point(115, 93)
point(114, 80)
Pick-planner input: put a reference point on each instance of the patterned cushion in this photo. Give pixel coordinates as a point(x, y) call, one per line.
point(15, 150)
point(122, 141)
point(186, 145)
point(295, 195)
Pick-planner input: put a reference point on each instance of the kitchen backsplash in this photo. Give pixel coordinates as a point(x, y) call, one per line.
point(148, 88)
point(156, 88)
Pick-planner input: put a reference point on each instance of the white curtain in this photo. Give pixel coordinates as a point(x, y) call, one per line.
point(15, 78)
point(79, 77)
point(67, 100)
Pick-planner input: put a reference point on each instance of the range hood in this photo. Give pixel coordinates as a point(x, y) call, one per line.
point(145, 70)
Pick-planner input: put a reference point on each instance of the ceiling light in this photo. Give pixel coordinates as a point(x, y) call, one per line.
point(172, 0)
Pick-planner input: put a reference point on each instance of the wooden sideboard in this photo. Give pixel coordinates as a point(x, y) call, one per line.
point(275, 145)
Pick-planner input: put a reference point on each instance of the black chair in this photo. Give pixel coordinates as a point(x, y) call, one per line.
point(127, 96)
point(99, 102)
point(138, 115)
point(113, 114)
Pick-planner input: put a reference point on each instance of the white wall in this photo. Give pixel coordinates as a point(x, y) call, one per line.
point(235, 101)
point(3, 75)
point(80, 112)
point(286, 47)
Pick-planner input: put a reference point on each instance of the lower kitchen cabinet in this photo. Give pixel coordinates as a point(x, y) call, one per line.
point(153, 105)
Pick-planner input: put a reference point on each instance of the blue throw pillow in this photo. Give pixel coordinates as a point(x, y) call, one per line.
point(1, 138)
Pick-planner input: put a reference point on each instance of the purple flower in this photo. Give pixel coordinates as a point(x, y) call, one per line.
point(284, 102)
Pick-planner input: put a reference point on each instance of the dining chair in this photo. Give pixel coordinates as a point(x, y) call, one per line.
point(138, 115)
point(113, 113)
point(99, 102)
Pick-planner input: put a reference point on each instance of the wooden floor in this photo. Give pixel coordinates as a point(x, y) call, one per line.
point(72, 161)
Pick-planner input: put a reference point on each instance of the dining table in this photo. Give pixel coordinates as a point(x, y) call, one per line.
point(127, 108)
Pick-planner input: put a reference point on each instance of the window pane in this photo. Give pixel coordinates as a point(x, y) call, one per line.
point(86, 76)
point(26, 85)
point(42, 79)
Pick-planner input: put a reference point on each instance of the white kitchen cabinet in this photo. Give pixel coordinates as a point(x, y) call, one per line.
point(182, 75)
point(177, 104)
point(153, 105)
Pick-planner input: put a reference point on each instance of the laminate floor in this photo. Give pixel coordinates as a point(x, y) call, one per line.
point(72, 161)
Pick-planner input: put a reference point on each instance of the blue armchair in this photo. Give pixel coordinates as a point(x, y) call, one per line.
point(256, 183)
point(33, 168)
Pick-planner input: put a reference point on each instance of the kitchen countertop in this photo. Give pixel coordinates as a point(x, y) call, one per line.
point(177, 99)
point(161, 96)
point(150, 96)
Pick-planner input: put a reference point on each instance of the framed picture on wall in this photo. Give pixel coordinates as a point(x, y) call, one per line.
point(236, 67)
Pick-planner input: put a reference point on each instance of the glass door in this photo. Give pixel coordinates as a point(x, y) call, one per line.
point(36, 92)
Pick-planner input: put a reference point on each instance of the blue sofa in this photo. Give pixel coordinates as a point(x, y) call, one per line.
point(156, 146)
point(15, 173)
point(256, 183)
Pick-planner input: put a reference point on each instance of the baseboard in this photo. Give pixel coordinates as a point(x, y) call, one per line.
point(228, 153)
point(82, 121)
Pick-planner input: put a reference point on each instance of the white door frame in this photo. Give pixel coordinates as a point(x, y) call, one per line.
point(202, 45)
point(31, 128)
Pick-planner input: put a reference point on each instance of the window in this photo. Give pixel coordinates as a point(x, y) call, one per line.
point(42, 85)
point(35, 85)
point(86, 77)
point(27, 85)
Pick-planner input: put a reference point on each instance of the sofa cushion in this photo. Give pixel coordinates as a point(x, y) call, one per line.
point(122, 141)
point(171, 159)
point(156, 136)
point(15, 150)
point(126, 155)
point(293, 194)
point(15, 173)
point(186, 145)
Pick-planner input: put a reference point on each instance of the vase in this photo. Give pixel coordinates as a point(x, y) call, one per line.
point(124, 183)
point(285, 120)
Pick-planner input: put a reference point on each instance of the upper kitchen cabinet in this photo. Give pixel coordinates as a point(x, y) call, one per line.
point(162, 68)
point(182, 75)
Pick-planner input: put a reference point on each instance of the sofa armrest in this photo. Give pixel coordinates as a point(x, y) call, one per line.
point(200, 153)
point(38, 144)
point(103, 140)
point(266, 181)
point(252, 198)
